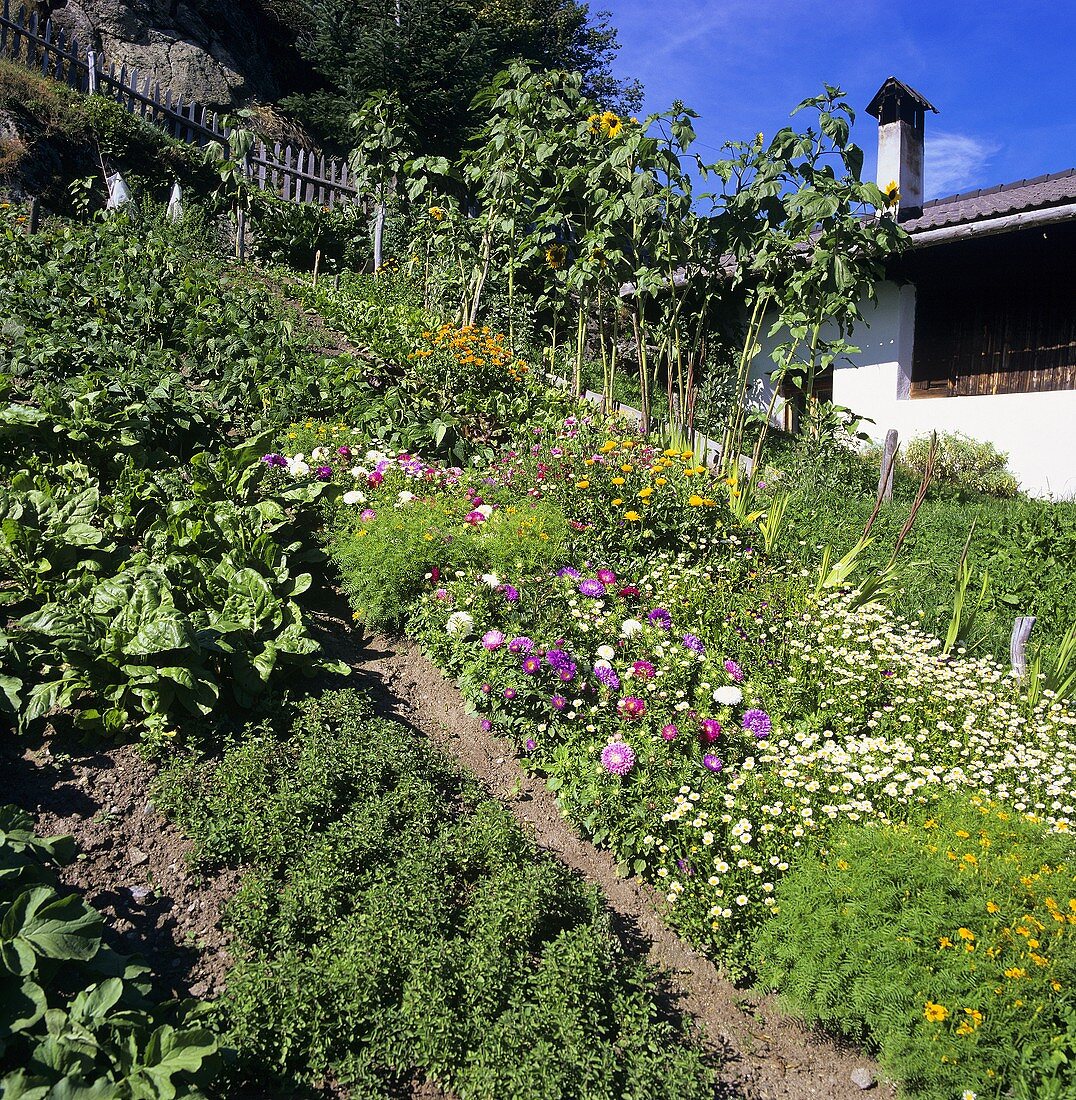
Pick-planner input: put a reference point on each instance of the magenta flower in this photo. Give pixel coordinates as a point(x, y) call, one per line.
point(520, 645)
point(631, 707)
point(274, 460)
point(758, 722)
point(669, 732)
point(734, 670)
point(487, 725)
point(606, 576)
point(714, 763)
point(618, 758)
point(567, 571)
point(474, 518)
point(492, 639)
point(367, 514)
point(558, 702)
point(531, 664)
point(440, 594)
point(510, 693)
point(644, 670)
point(529, 744)
point(375, 478)
point(323, 473)
point(592, 588)
point(709, 730)
point(510, 593)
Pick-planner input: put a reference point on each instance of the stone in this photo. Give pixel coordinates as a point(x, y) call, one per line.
point(137, 857)
point(139, 894)
point(862, 1078)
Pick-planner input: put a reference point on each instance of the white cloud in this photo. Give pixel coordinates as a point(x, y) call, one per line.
point(955, 162)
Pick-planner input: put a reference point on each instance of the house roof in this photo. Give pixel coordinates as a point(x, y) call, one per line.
point(1039, 193)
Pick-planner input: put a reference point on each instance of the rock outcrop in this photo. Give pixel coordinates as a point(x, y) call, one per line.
point(221, 53)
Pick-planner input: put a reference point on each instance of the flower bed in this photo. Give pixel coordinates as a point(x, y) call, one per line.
point(696, 706)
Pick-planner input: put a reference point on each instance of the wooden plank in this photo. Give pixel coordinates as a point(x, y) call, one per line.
point(889, 461)
point(31, 39)
point(285, 191)
point(46, 49)
point(321, 184)
point(1021, 631)
point(261, 165)
point(5, 16)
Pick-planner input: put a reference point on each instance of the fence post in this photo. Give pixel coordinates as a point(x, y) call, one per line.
point(1021, 631)
point(91, 66)
point(889, 460)
point(34, 219)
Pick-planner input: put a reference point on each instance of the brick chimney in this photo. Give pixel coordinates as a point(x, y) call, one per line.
point(900, 111)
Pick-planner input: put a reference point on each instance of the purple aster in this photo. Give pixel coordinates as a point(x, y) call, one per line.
point(669, 732)
point(487, 725)
point(274, 460)
point(694, 643)
point(367, 514)
point(323, 473)
point(520, 645)
point(558, 702)
point(734, 670)
point(510, 693)
point(567, 571)
point(558, 659)
point(685, 867)
point(714, 763)
point(529, 744)
point(567, 673)
point(661, 618)
point(492, 639)
point(592, 588)
point(606, 675)
point(510, 593)
point(532, 664)
point(618, 758)
point(758, 722)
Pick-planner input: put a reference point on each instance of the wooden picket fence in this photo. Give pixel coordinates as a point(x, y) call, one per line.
point(298, 175)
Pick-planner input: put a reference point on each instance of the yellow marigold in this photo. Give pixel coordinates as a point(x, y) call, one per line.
point(695, 501)
point(634, 517)
point(935, 1013)
point(944, 941)
point(627, 467)
point(992, 907)
point(1055, 985)
point(644, 493)
point(965, 933)
point(617, 481)
point(584, 484)
point(661, 481)
point(618, 501)
point(970, 857)
point(930, 823)
point(1015, 972)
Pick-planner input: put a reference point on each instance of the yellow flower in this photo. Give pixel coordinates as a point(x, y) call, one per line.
point(634, 517)
point(617, 481)
point(436, 213)
point(627, 467)
point(644, 493)
point(892, 193)
point(610, 124)
point(555, 255)
point(930, 823)
point(965, 933)
point(944, 941)
point(965, 1029)
point(970, 858)
point(594, 124)
point(935, 1013)
point(661, 481)
point(843, 865)
point(1015, 972)
point(992, 907)
point(584, 484)
point(618, 501)
point(1055, 985)
point(695, 501)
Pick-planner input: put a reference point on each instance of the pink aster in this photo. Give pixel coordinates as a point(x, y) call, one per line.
point(618, 758)
point(492, 639)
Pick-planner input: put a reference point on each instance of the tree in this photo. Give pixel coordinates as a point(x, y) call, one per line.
point(435, 55)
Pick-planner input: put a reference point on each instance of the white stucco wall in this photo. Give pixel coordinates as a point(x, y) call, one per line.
point(1038, 430)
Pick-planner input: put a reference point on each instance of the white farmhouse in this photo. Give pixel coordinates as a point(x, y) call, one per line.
point(974, 329)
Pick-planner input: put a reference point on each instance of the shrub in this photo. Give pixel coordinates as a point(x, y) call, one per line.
point(949, 943)
point(395, 921)
point(964, 465)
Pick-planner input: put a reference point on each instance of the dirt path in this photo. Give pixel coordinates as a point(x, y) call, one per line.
point(766, 1056)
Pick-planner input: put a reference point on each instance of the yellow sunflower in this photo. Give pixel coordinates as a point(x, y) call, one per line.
point(555, 255)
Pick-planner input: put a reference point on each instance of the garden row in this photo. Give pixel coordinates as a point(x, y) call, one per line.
point(757, 738)
point(156, 580)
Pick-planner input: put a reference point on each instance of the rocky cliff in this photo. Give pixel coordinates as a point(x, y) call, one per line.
point(222, 53)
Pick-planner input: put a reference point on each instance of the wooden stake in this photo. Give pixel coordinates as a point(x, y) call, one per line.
point(317, 264)
point(885, 480)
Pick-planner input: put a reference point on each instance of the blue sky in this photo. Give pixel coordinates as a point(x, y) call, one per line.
point(1002, 73)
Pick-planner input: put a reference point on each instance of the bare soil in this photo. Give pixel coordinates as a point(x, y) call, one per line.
point(133, 865)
